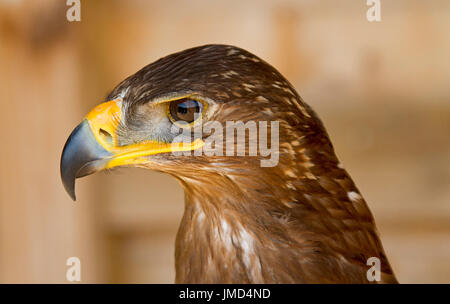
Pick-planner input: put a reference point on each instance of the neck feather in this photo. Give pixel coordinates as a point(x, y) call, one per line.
point(294, 223)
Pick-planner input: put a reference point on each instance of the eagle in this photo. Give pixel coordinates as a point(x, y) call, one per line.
point(294, 216)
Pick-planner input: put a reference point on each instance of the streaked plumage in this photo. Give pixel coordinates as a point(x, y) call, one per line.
point(302, 221)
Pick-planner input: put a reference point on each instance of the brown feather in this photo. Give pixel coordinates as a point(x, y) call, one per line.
point(302, 221)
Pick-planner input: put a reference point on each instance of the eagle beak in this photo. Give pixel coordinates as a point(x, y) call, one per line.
point(93, 146)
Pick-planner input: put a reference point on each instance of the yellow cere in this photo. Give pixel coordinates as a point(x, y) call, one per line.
point(105, 117)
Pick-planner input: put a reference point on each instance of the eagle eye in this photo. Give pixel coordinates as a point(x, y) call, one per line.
point(185, 110)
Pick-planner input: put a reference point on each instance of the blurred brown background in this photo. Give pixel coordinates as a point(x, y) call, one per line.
point(382, 90)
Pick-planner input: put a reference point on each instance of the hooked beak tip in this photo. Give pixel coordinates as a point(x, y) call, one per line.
point(82, 155)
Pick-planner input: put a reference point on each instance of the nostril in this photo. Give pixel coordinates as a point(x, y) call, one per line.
point(106, 136)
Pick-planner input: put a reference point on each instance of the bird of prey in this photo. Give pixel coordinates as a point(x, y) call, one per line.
point(298, 220)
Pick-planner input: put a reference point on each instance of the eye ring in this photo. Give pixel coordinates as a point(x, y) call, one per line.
point(186, 111)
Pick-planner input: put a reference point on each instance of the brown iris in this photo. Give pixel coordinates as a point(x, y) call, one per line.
point(185, 109)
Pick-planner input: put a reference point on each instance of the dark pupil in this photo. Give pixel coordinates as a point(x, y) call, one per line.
point(185, 109)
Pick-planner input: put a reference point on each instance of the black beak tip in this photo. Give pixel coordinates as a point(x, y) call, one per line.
point(70, 189)
point(68, 179)
point(68, 168)
point(82, 155)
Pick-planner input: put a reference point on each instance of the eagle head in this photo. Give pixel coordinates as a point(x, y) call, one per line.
point(266, 198)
